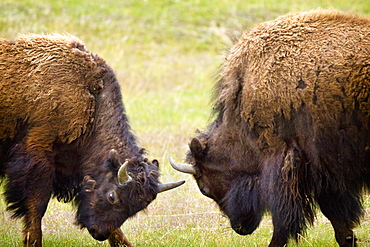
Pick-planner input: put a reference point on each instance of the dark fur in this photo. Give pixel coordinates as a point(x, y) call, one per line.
point(286, 145)
point(68, 162)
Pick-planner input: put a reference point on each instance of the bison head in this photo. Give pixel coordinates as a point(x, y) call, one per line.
point(109, 197)
point(220, 174)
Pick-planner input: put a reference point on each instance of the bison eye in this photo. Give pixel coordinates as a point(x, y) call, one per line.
point(204, 191)
point(112, 197)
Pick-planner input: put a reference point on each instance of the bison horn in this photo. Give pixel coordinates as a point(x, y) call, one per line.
point(183, 167)
point(169, 186)
point(123, 177)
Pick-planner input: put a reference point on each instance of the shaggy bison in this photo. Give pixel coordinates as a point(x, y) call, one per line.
point(64, 133)
point(291, 129)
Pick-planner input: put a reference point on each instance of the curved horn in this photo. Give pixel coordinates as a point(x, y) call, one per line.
point(169, 186)
point(123, 177)
point(183, 167)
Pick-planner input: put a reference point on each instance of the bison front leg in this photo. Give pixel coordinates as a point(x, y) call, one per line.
point(28, 190)
point(344, 212)
point(117, 238)
point(280, 236)
point(32, 234)
point(36, 205)
point(290, 208)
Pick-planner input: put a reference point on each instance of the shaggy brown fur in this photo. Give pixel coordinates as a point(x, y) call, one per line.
point(48, 81)
point(292, 126)
point(311, 59)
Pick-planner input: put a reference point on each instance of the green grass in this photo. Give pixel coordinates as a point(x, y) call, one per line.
point(165, 54)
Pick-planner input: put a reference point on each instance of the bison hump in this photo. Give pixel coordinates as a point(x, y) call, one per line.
point(318, 60)
point(49, 81)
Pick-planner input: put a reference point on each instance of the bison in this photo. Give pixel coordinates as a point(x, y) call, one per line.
point(291, 127)
point(64, 133)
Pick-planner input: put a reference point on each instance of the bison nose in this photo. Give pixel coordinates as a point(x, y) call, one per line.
point(98, 235)
point(239, 229)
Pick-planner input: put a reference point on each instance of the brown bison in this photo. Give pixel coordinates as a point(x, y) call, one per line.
point(64, 133)
point(292, 126)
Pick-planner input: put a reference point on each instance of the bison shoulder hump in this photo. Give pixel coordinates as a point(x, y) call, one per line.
point(54, 78)
point(318, 59)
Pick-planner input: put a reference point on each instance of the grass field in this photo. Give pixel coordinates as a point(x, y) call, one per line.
point(166, 55)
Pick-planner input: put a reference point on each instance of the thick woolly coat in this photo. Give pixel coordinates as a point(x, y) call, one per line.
point(314, 59)
point(48, 83)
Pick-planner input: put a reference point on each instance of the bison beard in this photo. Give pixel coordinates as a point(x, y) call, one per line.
point(64, 133)
point(291, 131)
point(243, 205)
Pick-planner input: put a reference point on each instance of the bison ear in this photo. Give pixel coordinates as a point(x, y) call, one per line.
point(197, 148)
point(89, 184)
point(156, 163)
